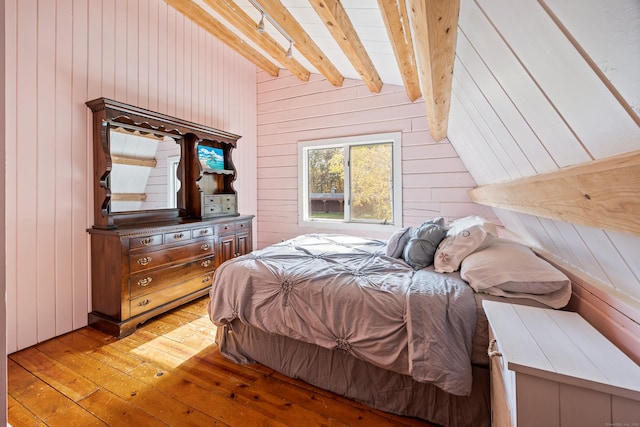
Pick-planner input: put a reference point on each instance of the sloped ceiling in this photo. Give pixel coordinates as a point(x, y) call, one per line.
point(370, 40)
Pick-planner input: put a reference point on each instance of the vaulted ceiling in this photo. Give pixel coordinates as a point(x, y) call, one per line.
point(410, 43)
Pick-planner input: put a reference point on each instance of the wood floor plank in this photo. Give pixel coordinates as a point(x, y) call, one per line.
point(168, 372)
point(118, 412)
point(45, 402)
point(58, 376)
point(194, 390)
point(21, 416)
point(126, 387)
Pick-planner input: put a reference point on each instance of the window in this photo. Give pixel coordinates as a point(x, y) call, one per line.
point(351, 182)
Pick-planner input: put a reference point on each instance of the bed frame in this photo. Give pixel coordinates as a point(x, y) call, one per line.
point(347, 376)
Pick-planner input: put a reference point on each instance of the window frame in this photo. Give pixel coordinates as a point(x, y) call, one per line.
point(346, 142)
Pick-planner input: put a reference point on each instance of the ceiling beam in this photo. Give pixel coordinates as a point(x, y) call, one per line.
point(434, 27)
point(337, 21)
point(243, 22)
point(202, 18)
point(601, 194)
point(303, 42)
point(394, 14)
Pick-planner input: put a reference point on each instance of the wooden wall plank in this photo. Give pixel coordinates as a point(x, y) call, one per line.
point(588, 107)
point(292, 113)
point(504, 107)
point(62, 190)
point(64, 53)
point(79, 156)
point(519, 86)
point(26, 201)
point(45, 167)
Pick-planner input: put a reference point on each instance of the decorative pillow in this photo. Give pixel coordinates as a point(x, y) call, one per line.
point(465, 235)
point(421, 247)
point(510, 269)
point(397, 242)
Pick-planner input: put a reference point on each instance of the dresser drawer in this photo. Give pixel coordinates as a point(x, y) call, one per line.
point(162, 296)
point(227, 227)
point(229, 208)
point(219, 199)
point(211, 209)
point(243, 225)
point(177, 236)
point(145, 241)
point(152, 280)
point(148, 260)
point(196, 233)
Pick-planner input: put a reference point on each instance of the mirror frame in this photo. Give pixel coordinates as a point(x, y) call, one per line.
point(108, 114)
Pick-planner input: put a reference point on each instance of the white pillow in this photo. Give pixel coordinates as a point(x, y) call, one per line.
point(465, 235)
point(509, 269)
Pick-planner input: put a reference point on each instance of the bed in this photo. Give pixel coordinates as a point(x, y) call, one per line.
point(340, 313)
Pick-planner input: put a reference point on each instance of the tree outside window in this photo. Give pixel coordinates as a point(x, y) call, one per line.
point(351, 180)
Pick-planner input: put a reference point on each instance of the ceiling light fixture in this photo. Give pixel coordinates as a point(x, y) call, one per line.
point(275, 25)
point(290, 50)
point(261, 25)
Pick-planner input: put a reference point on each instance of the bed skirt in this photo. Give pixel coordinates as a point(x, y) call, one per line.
point(347, 376)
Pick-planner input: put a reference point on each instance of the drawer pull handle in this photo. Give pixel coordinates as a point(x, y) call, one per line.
point(241, 225)
point(147, 241)
point(178, 236)
point(204, 247)
point(491, 351)
point(144, 302)
point(206, 279)
point(144, 261)
point(205, 231)
point(145, 281)
point(206, 263)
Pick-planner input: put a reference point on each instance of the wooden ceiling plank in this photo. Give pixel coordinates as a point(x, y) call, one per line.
point(337, 21)
point(303, 42)
point(434, 28)
point(243, 22)
point(222, 33)
point(394, 14)
point(601, 194)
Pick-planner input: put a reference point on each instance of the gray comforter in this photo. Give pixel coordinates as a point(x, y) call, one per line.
point(343, 293)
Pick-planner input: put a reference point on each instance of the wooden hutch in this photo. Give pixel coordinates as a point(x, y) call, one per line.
point(165, 213)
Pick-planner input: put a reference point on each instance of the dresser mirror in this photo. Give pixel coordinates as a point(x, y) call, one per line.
point(147, 169)
point(144, 171)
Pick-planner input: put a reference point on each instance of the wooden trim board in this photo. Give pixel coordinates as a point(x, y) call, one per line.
point(603, 194)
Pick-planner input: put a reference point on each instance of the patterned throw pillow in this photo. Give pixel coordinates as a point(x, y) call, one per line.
point(465, 236)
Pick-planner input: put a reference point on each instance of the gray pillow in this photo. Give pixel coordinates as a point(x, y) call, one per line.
point(421, 247)
point(397, 242)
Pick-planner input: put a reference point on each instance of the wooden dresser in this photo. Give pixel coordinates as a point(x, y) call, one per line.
point(143, 271)
point(165, 213)
point(551, 368)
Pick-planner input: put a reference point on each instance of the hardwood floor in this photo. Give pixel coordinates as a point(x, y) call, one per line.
point(169, 372)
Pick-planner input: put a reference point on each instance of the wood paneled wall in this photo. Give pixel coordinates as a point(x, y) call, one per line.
point(3, 224)
point(435, 181)
point(541, 85)
point(59, 54)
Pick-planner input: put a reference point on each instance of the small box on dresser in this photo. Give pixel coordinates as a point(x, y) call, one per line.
point(552, 368)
